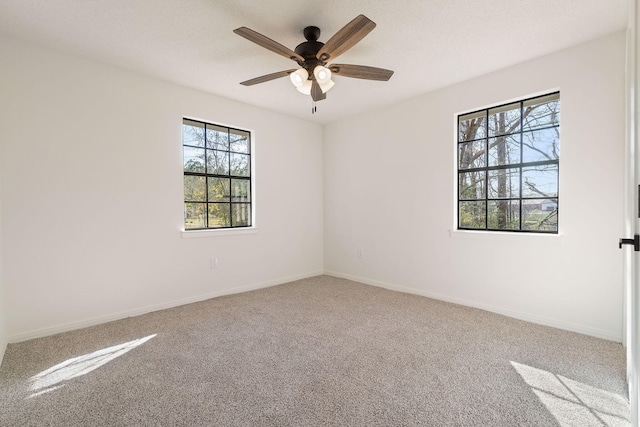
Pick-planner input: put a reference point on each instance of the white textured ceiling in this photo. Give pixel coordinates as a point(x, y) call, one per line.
point(428, 43)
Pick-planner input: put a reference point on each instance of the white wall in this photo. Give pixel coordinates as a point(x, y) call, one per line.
point(91, 175)
point(390, 185)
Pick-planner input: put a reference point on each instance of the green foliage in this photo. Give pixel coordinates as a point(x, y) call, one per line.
point(472, 215)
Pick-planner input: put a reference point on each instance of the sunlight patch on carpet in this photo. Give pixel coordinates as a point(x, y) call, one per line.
point(574, 403)
point(50, 379)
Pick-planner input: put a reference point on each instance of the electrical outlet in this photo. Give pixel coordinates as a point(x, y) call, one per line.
point(213, 263)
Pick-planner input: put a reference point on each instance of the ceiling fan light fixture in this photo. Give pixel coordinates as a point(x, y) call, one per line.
point(326, 86)
point(323, 77)
point(305, 88)
point(322, 74)
point(299, 77)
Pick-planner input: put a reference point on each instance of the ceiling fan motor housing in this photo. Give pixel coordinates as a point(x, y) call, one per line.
point(309, 49)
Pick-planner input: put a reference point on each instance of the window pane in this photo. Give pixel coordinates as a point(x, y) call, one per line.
point(240, 164)
point(217, 162)
point(192, 133)
point(471, 155)
point(193, 159)
point(504, 120)
point(218, 189)
point(240, 190)
point(219, 215)
point(241, 214)
point(504, 215)
point(504, 150)
point(472, 215)
point(472, 126)
point(541, 145)
point(540, 215)
point(504, 184)
point(239, 141)
point(540, 181)
point(542, 112)
point(217, 137)
point(194, 215)
point(472, 185)
point(194, 189)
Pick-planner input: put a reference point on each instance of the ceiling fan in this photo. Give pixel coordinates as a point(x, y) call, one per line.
point(314, 76)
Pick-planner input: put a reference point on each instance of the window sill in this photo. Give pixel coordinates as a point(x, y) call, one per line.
point(190, 234)
point(504, 236)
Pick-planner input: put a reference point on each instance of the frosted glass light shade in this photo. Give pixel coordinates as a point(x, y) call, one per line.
point(323, 77)
point(326, 86)
point(299, 77)
point(322, 74)
point(305, 87)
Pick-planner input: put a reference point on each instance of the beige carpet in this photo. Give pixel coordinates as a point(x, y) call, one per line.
point(316, 352)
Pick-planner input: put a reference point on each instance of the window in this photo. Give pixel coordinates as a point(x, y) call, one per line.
point(217, 176)
point(508, 162)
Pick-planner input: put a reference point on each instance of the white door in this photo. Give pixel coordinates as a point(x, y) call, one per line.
point(632, 214)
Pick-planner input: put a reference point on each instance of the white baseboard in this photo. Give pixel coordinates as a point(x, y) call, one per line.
point(541, 320)
point(65, 327)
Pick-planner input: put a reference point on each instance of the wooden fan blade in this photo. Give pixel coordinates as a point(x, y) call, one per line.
point(267, 77)
point(361, 72)
point(348, 36)
point(267, 43)
point(316, 92)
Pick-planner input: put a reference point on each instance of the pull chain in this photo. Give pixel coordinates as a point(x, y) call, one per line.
point(313, 107)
